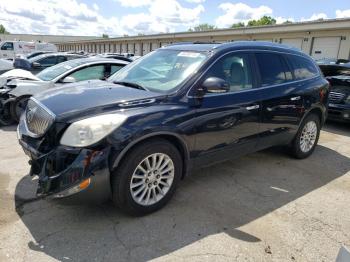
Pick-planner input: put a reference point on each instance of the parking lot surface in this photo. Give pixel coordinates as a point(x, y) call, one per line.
point(262, 207)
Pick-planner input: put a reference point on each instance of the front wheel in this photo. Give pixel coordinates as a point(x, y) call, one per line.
point(307, 137)
point(147, 177)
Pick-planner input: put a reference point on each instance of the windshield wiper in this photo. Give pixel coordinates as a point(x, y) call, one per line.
point(130, 84)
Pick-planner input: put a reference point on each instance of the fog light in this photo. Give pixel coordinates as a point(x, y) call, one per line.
point(346, 115)
point(73, 190)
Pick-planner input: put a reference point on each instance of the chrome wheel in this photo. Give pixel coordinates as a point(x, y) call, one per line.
point(308, 136)
point(152, 179)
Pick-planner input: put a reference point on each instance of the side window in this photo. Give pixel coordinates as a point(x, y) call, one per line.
point(88, 73)
point(302, 67)
point(235, 69)
point(61, 59)
point(71, 57)
point(115, 68)
point(7, 46)
point(273, 70)
point(48, 61)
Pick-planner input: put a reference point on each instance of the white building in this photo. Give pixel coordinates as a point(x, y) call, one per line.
point(320, 39)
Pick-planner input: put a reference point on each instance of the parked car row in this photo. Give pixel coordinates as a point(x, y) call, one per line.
point(19, 85)
point(338, 75)
point(133, 136)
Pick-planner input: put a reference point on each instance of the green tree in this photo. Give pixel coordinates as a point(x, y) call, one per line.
point(265, 20)
point(238, 25)
point(3, 30)
point(105, 36)
point(202, 27)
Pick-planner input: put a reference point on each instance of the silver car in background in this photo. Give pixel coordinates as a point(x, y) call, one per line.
point(21, 84)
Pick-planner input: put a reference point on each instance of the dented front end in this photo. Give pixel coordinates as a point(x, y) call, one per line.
point(65, 171)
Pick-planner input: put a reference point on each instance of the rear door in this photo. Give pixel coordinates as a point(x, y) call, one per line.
point(227, 124)
point(283, 97)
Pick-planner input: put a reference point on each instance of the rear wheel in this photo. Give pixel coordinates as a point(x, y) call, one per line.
point(147, 177)
point(307, 137)
point(18, 106)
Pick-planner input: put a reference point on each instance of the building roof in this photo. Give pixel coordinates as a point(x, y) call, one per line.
point(327, 24)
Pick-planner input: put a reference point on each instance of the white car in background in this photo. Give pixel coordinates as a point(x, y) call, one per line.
point(5, 65)
point(11, 49)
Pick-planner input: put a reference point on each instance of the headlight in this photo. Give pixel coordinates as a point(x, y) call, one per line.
point(91, 130)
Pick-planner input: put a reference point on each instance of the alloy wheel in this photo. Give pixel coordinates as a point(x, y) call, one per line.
point(308, 136)
point(152, 179)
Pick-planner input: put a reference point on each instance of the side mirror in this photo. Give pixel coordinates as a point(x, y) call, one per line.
point(36, 65)
point(215, 85)
point(68, 79)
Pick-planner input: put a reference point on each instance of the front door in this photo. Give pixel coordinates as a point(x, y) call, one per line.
point(227, 124)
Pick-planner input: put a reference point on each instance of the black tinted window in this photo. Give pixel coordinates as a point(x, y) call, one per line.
point(48, 61)
point(7, 46)
point(302, 67)
point(273, 70)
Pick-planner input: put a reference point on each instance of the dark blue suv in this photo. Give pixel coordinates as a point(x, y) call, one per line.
point(134, 136)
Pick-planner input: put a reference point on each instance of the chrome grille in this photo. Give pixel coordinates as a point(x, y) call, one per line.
point(38, 118)
point(335, 97)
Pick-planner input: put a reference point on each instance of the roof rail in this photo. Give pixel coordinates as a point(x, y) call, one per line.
point(191, 43)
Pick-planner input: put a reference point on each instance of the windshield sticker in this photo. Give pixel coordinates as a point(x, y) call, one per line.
point(189, 54)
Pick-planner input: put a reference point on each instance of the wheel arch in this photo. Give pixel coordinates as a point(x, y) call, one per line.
point(170, 137)
point(317, 111)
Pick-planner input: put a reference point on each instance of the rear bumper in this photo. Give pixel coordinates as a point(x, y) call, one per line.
point(339, 112)
point(62, 171)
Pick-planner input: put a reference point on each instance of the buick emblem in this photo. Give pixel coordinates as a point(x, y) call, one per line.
point(30, 114)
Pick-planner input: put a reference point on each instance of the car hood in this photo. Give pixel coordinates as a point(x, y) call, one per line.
point(17, 74)
point(93, 96)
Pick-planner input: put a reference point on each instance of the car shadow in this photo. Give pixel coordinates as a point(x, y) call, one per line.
point(213, 200)
point(337, 128)
point(10, 128)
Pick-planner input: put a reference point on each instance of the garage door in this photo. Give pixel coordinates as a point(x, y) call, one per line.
point(325, 47)
point(294, 42)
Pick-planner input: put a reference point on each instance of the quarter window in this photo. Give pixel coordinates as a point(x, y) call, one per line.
point(235, 69)
point(302, 67)
point(88, 73)
point(115, 68)
point(273, 70)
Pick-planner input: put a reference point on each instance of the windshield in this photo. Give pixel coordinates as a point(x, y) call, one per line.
point(52, 72)
point(162, 70)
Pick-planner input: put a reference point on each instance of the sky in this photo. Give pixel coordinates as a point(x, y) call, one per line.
point(132, 17)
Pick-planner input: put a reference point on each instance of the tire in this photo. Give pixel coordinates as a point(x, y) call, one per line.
point(308, 133)
point(130, 185)
point(18, 106)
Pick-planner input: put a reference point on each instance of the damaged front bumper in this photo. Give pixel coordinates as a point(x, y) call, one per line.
point(65, 172)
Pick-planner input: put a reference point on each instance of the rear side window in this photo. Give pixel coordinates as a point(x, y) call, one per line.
point(302, 67)
point(273, 70)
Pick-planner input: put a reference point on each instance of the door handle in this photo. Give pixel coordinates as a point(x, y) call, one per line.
point(252, 107)
point(295, 98)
